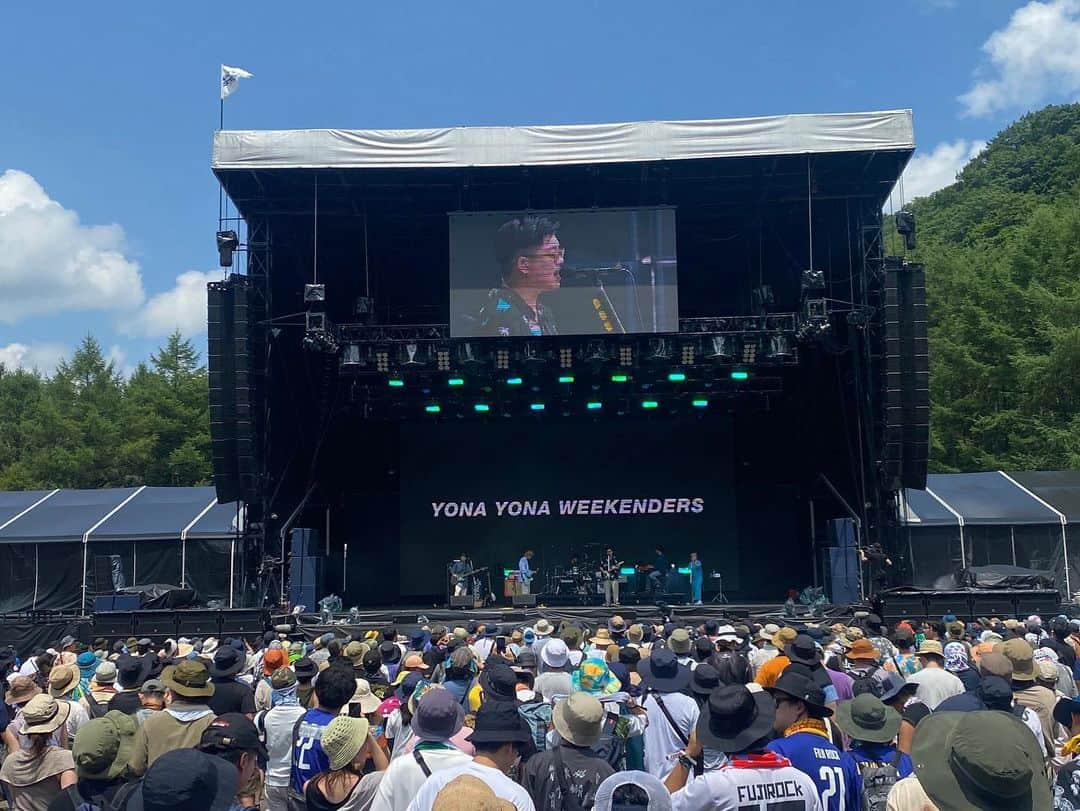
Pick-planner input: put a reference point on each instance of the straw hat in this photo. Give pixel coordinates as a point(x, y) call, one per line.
point(468, 793)
point(602, 638)
point(44, 714)
point(364, 697)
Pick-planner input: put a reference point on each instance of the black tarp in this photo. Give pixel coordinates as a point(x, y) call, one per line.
point(1001, 576)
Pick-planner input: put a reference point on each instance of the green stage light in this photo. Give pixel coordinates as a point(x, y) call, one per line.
point(700, 404)
point(649, 404)
point(594, 405)
point(536, 407)
point(738, 374)
point(676, 377)
point(396, 383)
point(566, 379)
point(455, 381)
point(482, 408)
point(684, 570)
point(513, 381)
point(434, 408)
point(627, 570)
point(619, 378)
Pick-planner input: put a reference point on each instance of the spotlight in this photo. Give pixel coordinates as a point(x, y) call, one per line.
point(455, 381)
point(502, 358)
point(227, 242)
point(619, 378)
point(687, 354)
point(813, 281)
point(536, 406)
point(442, 360)
point(676, 377)
point(594, 405)
point(566, 357)
point(905, 226)
point(314, 293)
point(566, 378)
point(780, 347)
point(649, 404)
point(626, 355)
point(481, 408)
point(749, 349)
point(659, 350)
point(740, 374)
point(700, 403)
point(721, 348)
point(350, 355)
point(433, 408)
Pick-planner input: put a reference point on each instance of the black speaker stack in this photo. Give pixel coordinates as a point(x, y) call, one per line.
point(230, 389)
point(907, 376)
point(307, 568)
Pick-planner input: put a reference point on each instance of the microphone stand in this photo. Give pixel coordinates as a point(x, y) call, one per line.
point(609, 305)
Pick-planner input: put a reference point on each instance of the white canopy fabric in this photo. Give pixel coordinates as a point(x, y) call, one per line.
point(564, 144)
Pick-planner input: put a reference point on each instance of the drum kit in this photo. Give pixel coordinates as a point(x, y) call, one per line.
point(581, 578)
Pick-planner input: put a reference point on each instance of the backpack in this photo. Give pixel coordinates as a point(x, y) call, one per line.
point(733, 667)
point(97, 709)
point(612, 744)
point(867, 682)
point(537, 715)
point(877, 781)
point(98, 802)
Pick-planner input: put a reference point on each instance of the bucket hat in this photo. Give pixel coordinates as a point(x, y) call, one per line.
point(438, 717)
point(931, 647)
point(579, 719)
point(43, 714)
point(734, 717)
point(659, 797)
point(802, 650)
point(602, 638)
point(543, 628)
point(679, 641)
point(343, 739)
point(189, 679)
point(186, 780)
point(1020, 653)
point(663, 673)
point(862, 650)
point(104, 746)
point(63, 679)
point(555, 654)
point(704, 679)
point(363, 696)
point(500, 722)
point(866, 718)
point(800, 686)
point(227, 662)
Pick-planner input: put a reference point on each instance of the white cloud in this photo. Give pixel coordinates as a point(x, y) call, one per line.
point(43, 357)
point(928, 172)
point(1035, 57)
point(52, 263)
point(183, 308)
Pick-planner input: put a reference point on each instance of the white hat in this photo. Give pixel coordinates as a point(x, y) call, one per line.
point(555, 653)
point(726, 633)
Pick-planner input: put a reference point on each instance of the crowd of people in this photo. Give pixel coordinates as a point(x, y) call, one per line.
point(726, 715)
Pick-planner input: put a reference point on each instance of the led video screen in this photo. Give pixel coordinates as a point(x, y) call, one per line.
point(573, 272)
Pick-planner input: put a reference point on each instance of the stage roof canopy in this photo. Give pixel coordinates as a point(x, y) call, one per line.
point(643, 141)
point(994, 498)
point(114, 514)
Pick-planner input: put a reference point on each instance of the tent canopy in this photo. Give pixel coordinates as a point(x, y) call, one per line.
point(994, 498)
point(114, 514)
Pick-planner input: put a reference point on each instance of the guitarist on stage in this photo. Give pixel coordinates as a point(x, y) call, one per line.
point(525, 571)
point(609, 573)
point(460, 570)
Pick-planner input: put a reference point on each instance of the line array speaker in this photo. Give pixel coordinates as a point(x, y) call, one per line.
point(230, 393)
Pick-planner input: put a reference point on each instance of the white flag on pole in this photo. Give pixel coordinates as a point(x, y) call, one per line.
point(230, 80)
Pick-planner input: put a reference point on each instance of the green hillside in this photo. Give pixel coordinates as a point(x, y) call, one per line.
point(1002, 253)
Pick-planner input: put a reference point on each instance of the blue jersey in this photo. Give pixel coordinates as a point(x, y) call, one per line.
point(308, 757)
point(883, 753)
point(834, 772)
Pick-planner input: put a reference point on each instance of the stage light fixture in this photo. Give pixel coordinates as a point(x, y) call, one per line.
point(382, 360)
point(721, 348)
point(780, 347)
point(227, 242)
point(813, 281)
point(350, 355)
point(739, 374)
point(676, 377)
point(905, 226)
point(314, 293)
point(536, 406)
point(619, 378)
point(749, 349)
point(700, 403)
point(566, 357)
point(513, 381)
point(434, 408)
point(649, 404)
point(396, 383)
point(659, 350)
point(467, 354)
point(502, 358)
point(566, 378)
point(455, 381)
point(594, 405)
point(596, 352)
point(688, 352)
point(482, 408)
point(626, 355)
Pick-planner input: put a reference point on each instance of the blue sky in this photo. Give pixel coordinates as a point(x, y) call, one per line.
point(108, 206)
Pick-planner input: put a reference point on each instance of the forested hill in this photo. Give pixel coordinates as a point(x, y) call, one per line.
point(1002, 253)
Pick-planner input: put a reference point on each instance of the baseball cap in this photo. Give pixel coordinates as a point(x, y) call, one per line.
point(234, 731)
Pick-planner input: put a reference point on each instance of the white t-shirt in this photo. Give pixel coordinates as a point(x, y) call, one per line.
point(733, 789)
point(935, 684)
point(660, 739)
point(498, 782)
point(76, 718)
point(404, 778)
point(554, 683)
point(279, 723)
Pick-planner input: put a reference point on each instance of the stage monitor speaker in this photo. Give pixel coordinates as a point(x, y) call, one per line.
point(1044, 604)
point(842, 532)
point(117, 602)
point(465, 601)
point(938, 605)
point(112, 626)
point(896, 608)
point(843, 575)
point(524, 601)
point(246, 621)
point(230, 402)
point(159, 623)
point(306, 542)
point(197, 623)
point(993, 606)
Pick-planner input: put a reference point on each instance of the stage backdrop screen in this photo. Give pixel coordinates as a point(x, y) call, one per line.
point(575, 272)
point(564, 489)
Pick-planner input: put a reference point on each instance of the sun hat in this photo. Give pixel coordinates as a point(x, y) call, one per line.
point(658, 797)
point(802, 649)
point(768, 631)
point(704, 679)
point(105, 673)
point(679, 641)
point(343, 738)
point(784, 637)
point(985, 759)
point(227, 662)
point(1064, 709)
point(956, 657)
point(390, 652)
point(354, 652)
point(104, 746)
point(663, 673)
point(996, 663)
point(617, 625)
point(602, 638)
point(305, 668)
point(543, 628)
point(21, 689)
point(209, 645)
point(862, 650)
point(273, 659)
point(500, 722)
point(931, 647)
point(186, 780)
point(468, 793)
point(63, 679)
point(555, 654)
point(528, 636)
point(525, 660)
point(44, 714)
point(499, 681)
point(579, 719)
point(189, 679)
point(363, 696)
point(282, 678)
point(867, 718)
point(802, 687)
point(1020, 653)
point(438, 716)
point(635, 633)
point(893, 684)
point(130, 671)
point(734, 717)
point(593, 676)
point(727, 633)
point(407, 685)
